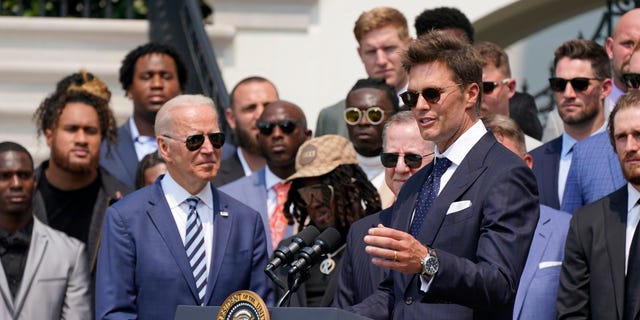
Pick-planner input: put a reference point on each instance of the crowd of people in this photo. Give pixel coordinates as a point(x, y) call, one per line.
point(432, 173)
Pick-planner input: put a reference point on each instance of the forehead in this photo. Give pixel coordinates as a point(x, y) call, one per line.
point(405, 134)
point(383, 36)
point(155, 60)
point(491, 73)
point(368, 97)
point(15, 161)
point(567, 67)
point(628, 27)
point(281, 111)
point(194, 119)
point(255, 90)
point(80, 113)
point(430, 74)
point(627, 120)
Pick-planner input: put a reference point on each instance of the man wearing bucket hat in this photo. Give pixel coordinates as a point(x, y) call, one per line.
point(329, 189)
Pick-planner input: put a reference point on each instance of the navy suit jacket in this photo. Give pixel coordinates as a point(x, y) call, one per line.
point(595, 172)
point(252, 191)
point(143, 270)
point(481, 248)
point(359, 278)
point(121, 160)
point(536, 297)
point(546, 163)
point(593, 270)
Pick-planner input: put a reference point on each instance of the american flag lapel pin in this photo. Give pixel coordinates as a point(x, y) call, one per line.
point(224, 213)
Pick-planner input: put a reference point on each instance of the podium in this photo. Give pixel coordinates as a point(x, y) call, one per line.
point(209, 313)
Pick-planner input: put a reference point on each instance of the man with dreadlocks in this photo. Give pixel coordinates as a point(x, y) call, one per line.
point(329, 189)
point(73, 191)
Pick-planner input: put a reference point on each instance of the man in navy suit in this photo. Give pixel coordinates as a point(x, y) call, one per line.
point(538, 289)
point(144, 271)
point(404, 153)
point(581, 84)
point(151, 75)
point(471, 217)
point(283, 129)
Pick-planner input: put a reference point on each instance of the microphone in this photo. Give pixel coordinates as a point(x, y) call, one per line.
point(284, 254)
point(327, 241)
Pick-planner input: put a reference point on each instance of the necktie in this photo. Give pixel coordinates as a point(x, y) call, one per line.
point(194, 244)
point(428, 194)
point(277, 221)
point(632, 280)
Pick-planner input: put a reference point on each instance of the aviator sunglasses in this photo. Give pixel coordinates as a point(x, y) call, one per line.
point(632, 80)
point(412, 160)
point(196, 141)
point(489, 86)
point(374, 115)
point(286, 126)
point(318, 192)
point(431, 95)
point(578, 84)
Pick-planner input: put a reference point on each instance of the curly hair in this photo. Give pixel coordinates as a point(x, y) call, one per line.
point(127, 69)
point(354, 198)
point(443, 18)
point(81, 87)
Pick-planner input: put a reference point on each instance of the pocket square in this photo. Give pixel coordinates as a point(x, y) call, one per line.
point(548, 264)
point(458, 206)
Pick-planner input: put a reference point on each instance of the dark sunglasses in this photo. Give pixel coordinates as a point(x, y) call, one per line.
point(412, 160)
point(431, 95)
point(578, 84)
point(286, 126)
point(489, 86)
point(317, 192)
point(196, 141)
point(374, 115)
point(631, 80)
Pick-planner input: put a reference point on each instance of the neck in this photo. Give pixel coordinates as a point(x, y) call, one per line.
point(145, 128)
point(65, 180)
point(282, 172)
point(13, 222)
point(255, 162)
point(582, 131)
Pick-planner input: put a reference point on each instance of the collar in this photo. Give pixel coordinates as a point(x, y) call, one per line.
point(176, 194)
point(22, 237)
point(270, 179)
point(567, 144)
point(243, 162)
point(400, 102)
point(632, 199)
point(135, 134)
point(461, 147)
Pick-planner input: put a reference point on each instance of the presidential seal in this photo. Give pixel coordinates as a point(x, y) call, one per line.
point(243, 305)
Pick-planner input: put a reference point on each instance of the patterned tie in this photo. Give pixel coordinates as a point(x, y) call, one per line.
point(632, 280)
point(194, 244)
point(277, 220)
point(428, 194)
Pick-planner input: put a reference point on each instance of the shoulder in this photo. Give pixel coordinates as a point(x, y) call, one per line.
point(600, 141)
point(553, 145)
point(556, 218)
point(236, 208)
point(61, 241)
point(595, 212)
point(242, 184)
point(337, 107)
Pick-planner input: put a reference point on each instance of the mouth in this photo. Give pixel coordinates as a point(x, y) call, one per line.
point(17, 199)
point(80, 153)
point(278, 148)
point(157, 99)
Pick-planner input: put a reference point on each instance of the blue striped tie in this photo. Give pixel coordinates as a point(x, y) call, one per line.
point(194, 244)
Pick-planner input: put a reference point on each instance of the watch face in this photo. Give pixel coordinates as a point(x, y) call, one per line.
point(430, 265)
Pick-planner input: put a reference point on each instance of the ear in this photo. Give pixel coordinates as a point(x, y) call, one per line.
point(512, 87)
point(360, 54)
point(472, 96)
point(163, 148)
point(48, 135)
point(608, 45)
point(308, 134)
point(528, 159)
point(228, 115)
point(129, 95)
point(607, 87)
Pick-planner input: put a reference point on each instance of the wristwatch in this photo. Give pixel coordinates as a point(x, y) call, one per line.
point(430, 263)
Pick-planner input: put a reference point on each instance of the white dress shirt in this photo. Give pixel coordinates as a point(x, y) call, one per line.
point(143, 144)
point(176, 197)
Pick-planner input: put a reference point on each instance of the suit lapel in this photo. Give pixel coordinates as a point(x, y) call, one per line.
point(160, 215)
point(553, 150)
point(127, 149)
point(222, 225)
point(39, 242)
point(5, 292)
point(615, 220)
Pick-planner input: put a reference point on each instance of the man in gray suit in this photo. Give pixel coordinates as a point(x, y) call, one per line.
point(43, 272)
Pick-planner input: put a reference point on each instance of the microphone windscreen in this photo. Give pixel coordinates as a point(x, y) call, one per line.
point(331, 238)
point(308, 234)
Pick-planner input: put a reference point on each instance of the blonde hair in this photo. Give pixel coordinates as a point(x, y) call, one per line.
point(379, 17)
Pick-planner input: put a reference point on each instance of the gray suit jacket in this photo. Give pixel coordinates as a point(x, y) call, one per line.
point(331, 121)
point(55, 284)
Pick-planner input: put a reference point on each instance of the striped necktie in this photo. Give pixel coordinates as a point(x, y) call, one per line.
point(194, 244)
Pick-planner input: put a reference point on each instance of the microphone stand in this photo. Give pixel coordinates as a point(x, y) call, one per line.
point(272, 275)
point(294, 282)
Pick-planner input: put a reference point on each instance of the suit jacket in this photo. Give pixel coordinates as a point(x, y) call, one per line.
point(593, 270)
point(594, 173)
point(252, 191)
point(230, 170)
point(536, 296)
point(546, 163)
point(143, 270)
point(109, 190)
point(55, 282)
point(121, 159)
point(331, 121)
point(481, 247)
point(523, 110)
point(358, 276)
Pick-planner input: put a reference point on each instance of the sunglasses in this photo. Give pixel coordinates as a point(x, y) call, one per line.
point(489, 86)
point(578, 84)
point(196, 141)
point(431, 95)
point(374, 115)
point(412, 160)
point(286, 126)
point(317, 192)
point(632, 80)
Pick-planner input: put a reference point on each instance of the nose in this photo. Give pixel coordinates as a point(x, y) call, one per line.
point(401, 167)
point(277, 132)
point(157, 81)
point(569, 92)
point(81, 136)
point(15, 182)
point(632, 143)
point(381, 57)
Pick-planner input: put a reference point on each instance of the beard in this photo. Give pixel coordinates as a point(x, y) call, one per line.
point(246, 141)
point(63, 160)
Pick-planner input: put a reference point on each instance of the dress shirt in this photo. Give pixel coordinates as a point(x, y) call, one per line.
point(243, 162)
point(633, 215)
point(372, 166)
point(613, 97)
point(176, 197)
point(400, 102)
point(455, 153)
point(143, 144)
point(271, 180)
point(14, 249)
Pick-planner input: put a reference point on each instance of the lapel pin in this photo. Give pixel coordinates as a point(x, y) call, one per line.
point(224, 213)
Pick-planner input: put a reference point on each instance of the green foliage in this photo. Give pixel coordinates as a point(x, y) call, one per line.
point(74, 8)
